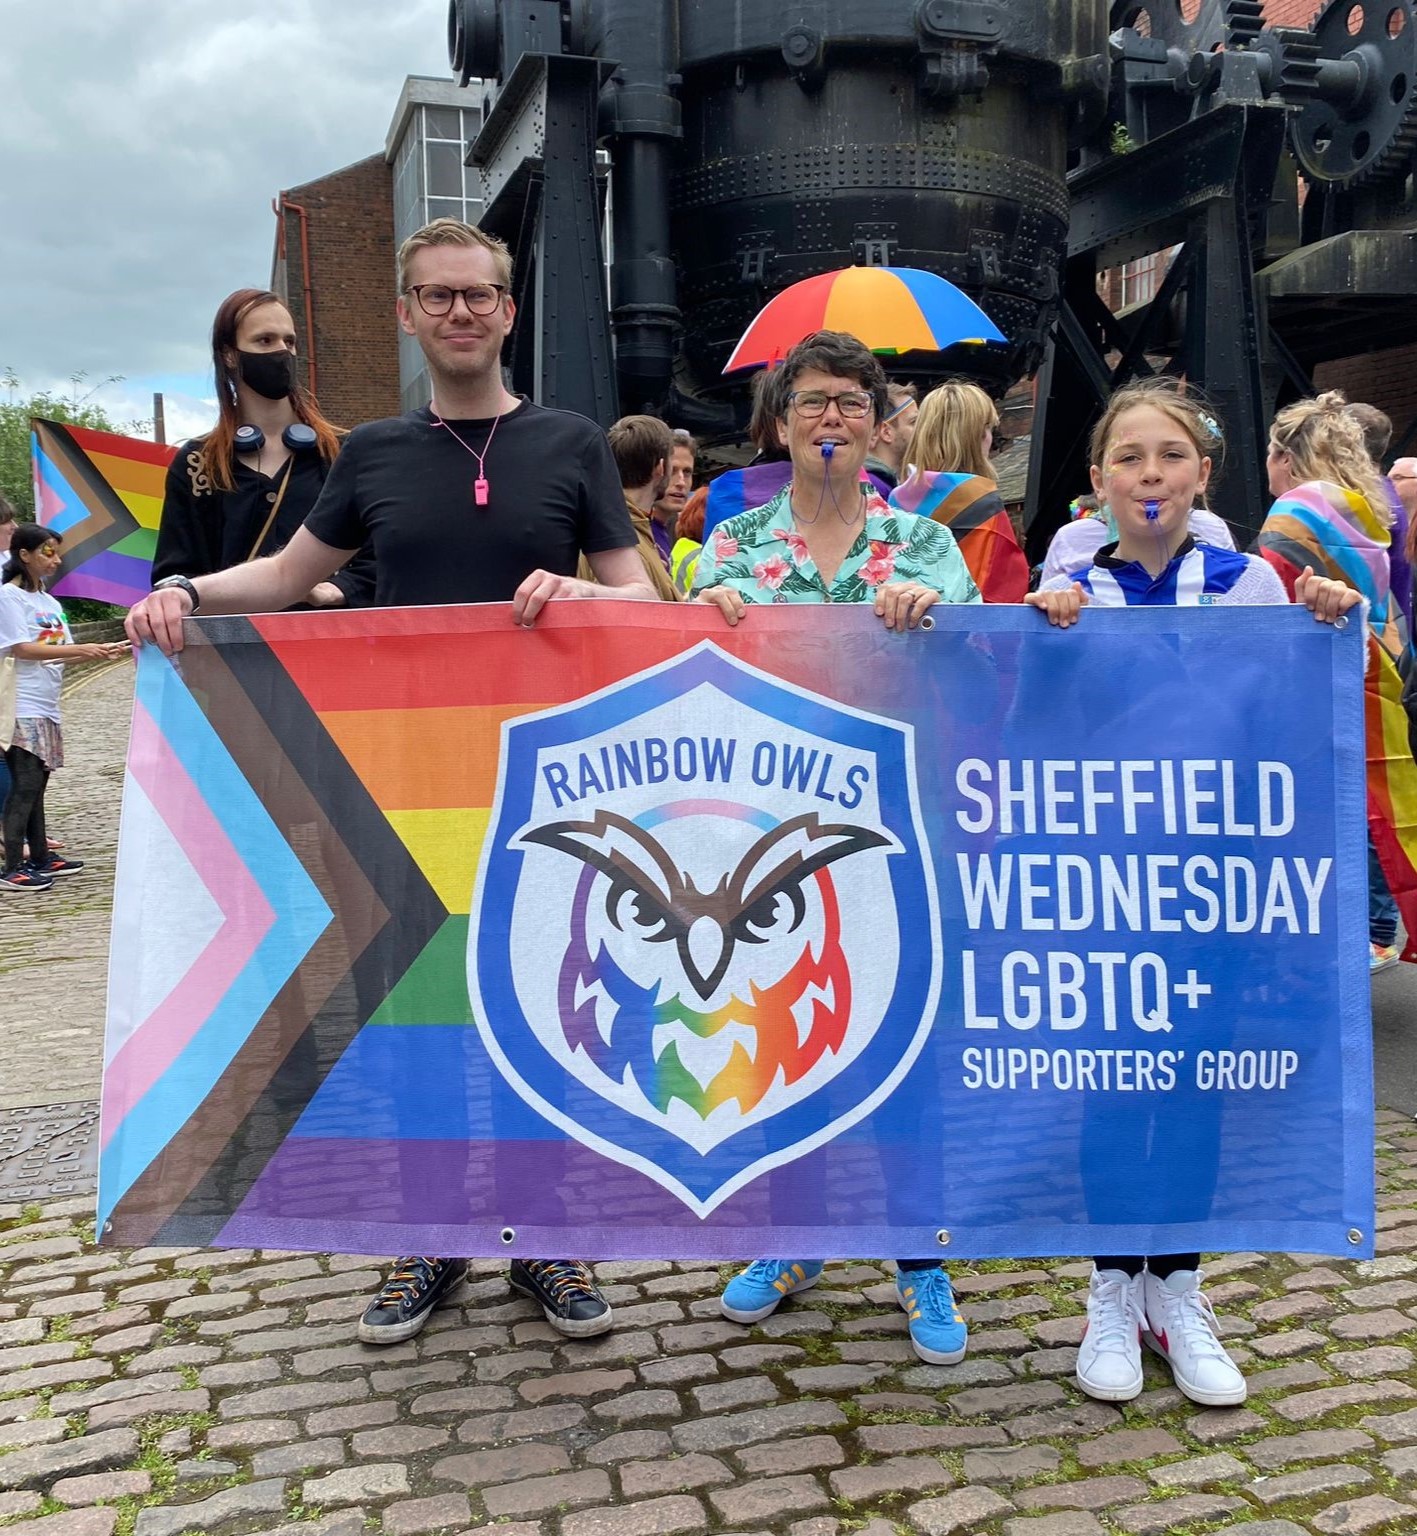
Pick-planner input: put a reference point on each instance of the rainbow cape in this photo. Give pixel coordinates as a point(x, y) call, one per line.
point(103, 493)
point(1305, 529)
point(971, 508)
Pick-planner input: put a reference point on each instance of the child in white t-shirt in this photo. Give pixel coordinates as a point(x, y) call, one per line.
point(35, 633)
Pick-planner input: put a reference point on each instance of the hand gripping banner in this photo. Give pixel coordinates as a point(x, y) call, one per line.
point(634, 936)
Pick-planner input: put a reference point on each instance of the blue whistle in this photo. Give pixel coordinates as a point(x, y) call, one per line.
point(828, 449)
point(1153, 510)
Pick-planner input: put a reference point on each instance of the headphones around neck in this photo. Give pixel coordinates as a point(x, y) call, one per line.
point(297, 437)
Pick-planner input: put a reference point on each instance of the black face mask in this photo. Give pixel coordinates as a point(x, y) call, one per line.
point(271, 374)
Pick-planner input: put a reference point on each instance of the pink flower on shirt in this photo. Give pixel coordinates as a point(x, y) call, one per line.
point(772, 573)
point(724, 548)
point(880, 567)
point(796, 544)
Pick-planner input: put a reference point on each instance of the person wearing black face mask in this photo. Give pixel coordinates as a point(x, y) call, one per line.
point(241, 491)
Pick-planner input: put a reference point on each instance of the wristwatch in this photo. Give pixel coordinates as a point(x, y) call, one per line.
point(185, 585)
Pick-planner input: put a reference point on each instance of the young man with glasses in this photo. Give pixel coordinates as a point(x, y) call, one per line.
point(480, 497)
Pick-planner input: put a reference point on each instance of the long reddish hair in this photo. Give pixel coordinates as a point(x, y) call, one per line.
point(218, 460)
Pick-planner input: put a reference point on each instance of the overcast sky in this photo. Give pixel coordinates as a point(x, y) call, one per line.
point(141, 143)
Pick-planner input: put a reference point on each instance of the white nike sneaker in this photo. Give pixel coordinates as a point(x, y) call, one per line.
point(1180, 1327)
point(1109, 1358)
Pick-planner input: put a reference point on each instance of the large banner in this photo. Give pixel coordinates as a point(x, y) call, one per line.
point(103, 493)
point(636, 936)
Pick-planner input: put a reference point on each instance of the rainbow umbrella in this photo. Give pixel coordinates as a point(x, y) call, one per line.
point(891, 309)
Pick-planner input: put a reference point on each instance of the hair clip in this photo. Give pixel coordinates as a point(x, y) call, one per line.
point(1212, 426)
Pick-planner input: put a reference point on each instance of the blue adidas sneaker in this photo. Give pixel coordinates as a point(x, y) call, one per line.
point(937, 1331)
point(755, 1294)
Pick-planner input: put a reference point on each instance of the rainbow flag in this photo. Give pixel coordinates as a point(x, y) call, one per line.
point(104, 493)
point(1304, 529)
point(1392, 786)
point(635, 936)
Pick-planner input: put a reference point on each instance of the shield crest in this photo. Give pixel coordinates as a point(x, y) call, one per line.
point(701, 938)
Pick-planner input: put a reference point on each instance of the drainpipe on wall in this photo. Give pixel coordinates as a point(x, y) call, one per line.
point(282, 207)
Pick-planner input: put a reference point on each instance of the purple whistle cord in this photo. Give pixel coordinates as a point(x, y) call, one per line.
point(1152, 508)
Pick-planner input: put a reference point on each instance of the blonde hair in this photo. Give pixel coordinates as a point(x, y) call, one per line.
point(1324, 442)
point(1180, 405)
point(455, 232)
point(949, 431)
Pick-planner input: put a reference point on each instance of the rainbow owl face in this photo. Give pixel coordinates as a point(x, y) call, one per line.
point(714, 992)
point(692, 945)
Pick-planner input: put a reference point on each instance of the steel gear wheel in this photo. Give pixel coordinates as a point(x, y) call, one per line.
point(1296, 57)
point(1360, 125)
point(1244, 20)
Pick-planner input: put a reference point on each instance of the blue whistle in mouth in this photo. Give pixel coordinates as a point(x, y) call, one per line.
point(1153, 510)
point(828, 449)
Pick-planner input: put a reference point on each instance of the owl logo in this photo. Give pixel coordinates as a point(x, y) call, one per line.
point(645, 981)
point(686, 947)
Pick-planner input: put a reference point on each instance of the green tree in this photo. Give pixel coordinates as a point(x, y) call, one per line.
point(16, 476)
point(78, 408)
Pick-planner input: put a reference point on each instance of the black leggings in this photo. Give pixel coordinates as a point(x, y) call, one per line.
point(24, 809)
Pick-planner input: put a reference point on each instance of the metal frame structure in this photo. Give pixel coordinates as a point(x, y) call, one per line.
point(754, 142)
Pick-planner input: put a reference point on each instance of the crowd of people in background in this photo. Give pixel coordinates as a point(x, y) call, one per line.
point(859, 491)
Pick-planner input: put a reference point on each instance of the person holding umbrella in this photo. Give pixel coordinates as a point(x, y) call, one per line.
point(827, 537)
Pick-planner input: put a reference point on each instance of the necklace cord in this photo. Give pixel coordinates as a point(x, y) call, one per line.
point(482, 488)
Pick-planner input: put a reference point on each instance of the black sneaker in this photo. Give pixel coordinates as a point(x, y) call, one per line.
point(568, 1295)
point(414, 1287)
point(23, 878)
point(56, 864)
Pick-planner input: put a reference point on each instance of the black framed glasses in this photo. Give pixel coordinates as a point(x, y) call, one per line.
point(436, 300)
point(811, 403)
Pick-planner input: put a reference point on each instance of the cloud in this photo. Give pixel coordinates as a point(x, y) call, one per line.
point(142, 145)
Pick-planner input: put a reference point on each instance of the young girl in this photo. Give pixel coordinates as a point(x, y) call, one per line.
point(952, 482)
point(1149, 462)
point(1332, 512)
point(34, 632)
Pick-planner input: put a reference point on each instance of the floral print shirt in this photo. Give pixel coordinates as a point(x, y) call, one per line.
point(762, 556)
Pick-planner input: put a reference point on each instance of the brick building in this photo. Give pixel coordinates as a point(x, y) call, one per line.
point(333, 266)
point(335, 246)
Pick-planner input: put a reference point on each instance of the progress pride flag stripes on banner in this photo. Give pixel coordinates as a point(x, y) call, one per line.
point(636, 936)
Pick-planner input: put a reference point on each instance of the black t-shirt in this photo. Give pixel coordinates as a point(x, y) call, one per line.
point(407, 485)
point(205, 530)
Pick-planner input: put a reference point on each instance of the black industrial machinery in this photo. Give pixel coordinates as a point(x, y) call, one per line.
point(1019, 149)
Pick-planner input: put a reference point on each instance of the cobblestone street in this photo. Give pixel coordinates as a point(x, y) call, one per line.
point(167, 1391)
point(53, 1020)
